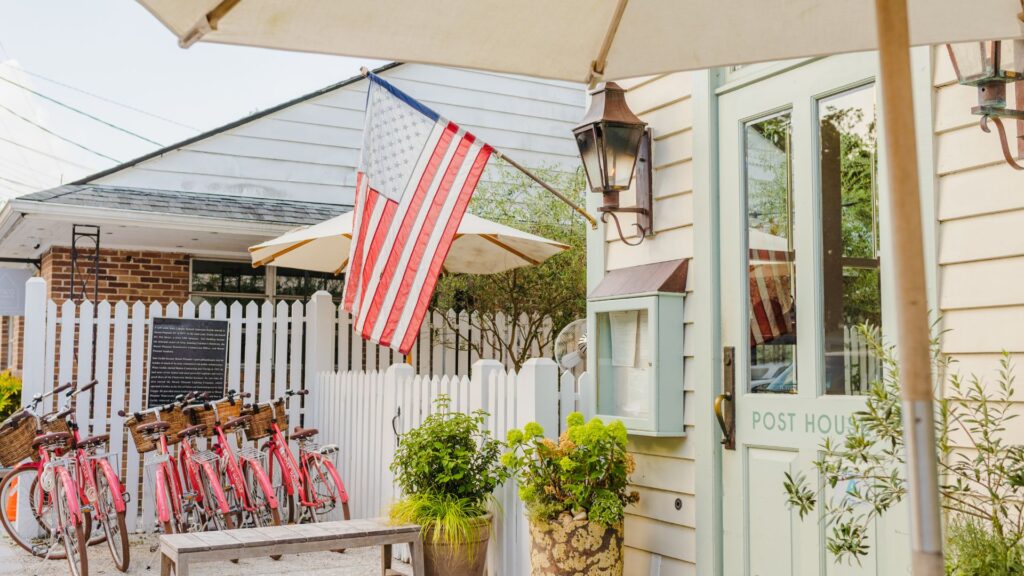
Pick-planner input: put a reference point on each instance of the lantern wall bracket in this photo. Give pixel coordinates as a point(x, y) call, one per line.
point(1007, 155)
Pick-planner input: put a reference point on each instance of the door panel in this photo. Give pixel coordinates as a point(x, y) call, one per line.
point(770, 523)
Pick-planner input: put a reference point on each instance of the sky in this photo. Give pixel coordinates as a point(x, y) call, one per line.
point(112, 60)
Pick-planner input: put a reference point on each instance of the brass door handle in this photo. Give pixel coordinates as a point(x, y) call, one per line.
point(727, 414)
point(720, 414)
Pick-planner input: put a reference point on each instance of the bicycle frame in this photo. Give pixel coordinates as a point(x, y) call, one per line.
point(87, 468)
point(191, 471)
point(233, 470)
point(40, 466)
point(298, 476)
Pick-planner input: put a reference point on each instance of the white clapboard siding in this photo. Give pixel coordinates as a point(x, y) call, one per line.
point(308, 150)
point(364, 413)
point(269, 351)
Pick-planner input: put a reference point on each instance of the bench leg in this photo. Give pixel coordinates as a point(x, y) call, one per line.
point(165, 565)
point(385, 559)
point(416, 551)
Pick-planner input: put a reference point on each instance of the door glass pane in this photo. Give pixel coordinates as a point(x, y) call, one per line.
point(851, 275)
point(772, 261)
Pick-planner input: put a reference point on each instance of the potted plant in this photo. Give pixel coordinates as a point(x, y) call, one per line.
point(447, 469)
point(575, 491)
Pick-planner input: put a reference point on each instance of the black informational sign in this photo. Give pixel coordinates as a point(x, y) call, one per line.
point(186, 355)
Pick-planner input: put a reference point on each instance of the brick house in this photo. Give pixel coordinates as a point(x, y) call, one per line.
point(175, 224)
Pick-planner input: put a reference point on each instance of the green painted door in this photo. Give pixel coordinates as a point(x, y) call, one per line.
point(803, 263)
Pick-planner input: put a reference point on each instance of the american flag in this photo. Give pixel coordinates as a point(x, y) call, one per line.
point(416, 175)
point(771, 295)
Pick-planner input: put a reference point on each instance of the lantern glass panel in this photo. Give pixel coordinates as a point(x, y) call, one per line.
point(1011, 59)
point(974, 61)
point(622, 143)
point(590, 152)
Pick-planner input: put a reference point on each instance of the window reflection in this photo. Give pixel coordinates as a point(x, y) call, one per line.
point(851, 279)
point(772, 263)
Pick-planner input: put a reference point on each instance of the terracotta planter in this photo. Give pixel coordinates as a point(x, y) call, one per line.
point(575, 548)
point(444, 559)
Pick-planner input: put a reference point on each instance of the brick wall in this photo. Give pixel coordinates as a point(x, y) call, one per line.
point(124, 274)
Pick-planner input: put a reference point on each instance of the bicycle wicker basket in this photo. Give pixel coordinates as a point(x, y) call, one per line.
point(55, 426)
point(260, 425)
point(175, 417)
point(16, 440)
point(225, 410)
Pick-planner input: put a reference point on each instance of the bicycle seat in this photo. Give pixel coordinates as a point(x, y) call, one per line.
point(97, 440)
point(236, 422)
point(153, 427)
point(303, 433)
point(196, 430)
point(52, 439)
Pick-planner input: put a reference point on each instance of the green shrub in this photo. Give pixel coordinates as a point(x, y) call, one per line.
point(981, 474)
point(10, 394)
point(585, 473)
point(973, 550)
point(447, 469)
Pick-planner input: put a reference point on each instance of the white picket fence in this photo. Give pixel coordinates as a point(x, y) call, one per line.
point(270, 349)
point(364, 414)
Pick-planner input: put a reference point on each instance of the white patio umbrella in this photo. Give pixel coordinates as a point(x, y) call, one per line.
point(480, 247)
point(589, 40)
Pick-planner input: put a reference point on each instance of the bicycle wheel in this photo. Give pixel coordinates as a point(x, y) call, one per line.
point(212, 495)
point(35, 540)
point(163, 494)
point(256, 487)
point(111, 521)
point(324, 488)
point(278, 479)
point(72, 532)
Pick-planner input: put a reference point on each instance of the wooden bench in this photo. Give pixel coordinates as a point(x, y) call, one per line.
point(179, 551)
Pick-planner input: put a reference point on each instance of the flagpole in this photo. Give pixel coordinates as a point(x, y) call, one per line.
point(549, 188)
point(579, 210)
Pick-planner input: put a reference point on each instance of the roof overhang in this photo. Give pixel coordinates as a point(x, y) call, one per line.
point(29, 228)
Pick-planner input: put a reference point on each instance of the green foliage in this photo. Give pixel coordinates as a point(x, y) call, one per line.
point(585, 472)
point(453, 519)
point(556, 288)
point(973, 550)
point(447, 469)
point(981, 474)
point(10, 394)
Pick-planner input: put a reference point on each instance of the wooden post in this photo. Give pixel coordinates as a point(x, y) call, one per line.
point(912, 326)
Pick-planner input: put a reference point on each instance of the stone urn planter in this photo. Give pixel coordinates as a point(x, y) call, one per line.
point(462, 559)
point(574, 547)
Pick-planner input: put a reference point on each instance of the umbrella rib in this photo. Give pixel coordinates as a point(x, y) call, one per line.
point(597, 66)
point(277, 255)
point(494, 240)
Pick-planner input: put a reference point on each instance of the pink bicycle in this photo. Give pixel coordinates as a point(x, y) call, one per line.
point(311, 488)
point(246, 486)
point(53, 494)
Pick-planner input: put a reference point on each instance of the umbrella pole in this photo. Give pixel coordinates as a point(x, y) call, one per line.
point(913, 341)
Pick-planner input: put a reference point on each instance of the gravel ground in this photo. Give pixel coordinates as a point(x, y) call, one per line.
point(354, 562)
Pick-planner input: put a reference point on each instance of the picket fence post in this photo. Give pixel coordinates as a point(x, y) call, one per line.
point(536, 401)
point(320, 336)
point(395, 376)
point(33, 358)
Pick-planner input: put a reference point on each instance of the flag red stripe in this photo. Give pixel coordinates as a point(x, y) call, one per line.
point(377, 239)
point(355, 267)
point(427, 292)
point(413, 265)
point(413, 210)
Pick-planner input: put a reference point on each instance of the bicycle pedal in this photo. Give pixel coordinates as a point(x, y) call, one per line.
point(88, 508)
point(39, 550)
point(126, 496)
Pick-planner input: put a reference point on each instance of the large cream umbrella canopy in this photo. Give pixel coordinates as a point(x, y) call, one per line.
point(480, 247)
point(563, 38)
